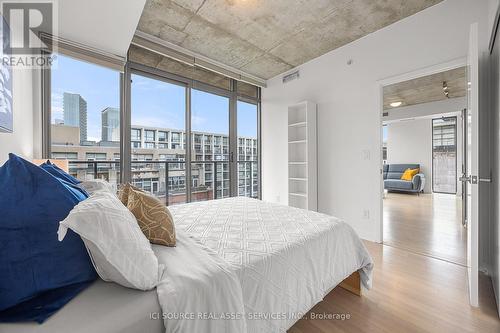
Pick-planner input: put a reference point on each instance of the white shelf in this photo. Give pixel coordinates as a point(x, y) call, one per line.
point(298, 194)
point(302, 159)
point(299, 124)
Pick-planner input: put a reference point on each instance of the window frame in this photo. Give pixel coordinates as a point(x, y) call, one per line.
point(456, 152)
point(125, 119)
point(246, 99)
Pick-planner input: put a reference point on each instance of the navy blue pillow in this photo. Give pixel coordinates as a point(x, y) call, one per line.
point(38, 274)
point(57, 172)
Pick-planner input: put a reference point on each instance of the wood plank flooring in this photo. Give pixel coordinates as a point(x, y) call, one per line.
point(411, 293)
point(428, 224)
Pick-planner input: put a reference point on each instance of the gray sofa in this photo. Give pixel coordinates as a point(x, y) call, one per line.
point(392, 178)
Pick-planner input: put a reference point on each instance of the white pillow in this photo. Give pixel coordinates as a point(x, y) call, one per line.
point(119, 250)
point(95, 185)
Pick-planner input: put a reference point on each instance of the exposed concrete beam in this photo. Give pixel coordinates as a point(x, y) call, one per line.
point(191, 58)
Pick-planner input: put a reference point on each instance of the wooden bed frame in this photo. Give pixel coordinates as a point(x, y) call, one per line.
point(352, 283)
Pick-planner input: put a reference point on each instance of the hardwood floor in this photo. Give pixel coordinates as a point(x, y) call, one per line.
point(428, 224)
point(411, 293)
point(420, 278)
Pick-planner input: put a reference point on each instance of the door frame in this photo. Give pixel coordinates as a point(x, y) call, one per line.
point(425, 71)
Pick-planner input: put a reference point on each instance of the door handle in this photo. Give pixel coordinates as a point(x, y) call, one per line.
point(487, 180)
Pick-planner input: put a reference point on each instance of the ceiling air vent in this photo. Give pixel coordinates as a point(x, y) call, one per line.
point(290, 77)
point(385, 114)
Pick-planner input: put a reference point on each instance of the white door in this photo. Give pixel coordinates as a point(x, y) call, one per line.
point(472, 169)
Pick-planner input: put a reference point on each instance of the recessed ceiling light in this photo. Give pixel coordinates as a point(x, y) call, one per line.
point(395, 104)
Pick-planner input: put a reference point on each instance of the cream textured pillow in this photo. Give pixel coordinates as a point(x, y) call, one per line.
point(95, 185)
point(153, 217)
point(117, 247)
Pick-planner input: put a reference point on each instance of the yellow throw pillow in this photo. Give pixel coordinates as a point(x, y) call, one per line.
point(153, 217)
point(409, 174)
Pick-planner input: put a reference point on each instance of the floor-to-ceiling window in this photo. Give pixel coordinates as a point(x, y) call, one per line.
point(158, 147)
point(185, 136)
point(444, 155)
point(210, 146)
point(248, 151)
point(85, 118)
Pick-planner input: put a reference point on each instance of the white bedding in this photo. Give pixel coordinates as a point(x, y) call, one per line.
point(278, 262)
point(259, 264)
point(198, 285)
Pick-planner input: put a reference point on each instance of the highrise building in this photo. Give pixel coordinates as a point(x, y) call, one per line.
point(211, 150)
point(75, 113)
point(110, 120)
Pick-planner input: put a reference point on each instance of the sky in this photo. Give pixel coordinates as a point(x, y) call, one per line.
point(154, 103)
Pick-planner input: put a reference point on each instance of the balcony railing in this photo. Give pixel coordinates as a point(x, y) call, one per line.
point(166, 179)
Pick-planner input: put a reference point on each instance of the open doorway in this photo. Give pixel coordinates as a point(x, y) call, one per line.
point(422, 160)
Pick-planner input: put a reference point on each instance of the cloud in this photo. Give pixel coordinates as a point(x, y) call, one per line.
point(197, 121)
point(155, 121)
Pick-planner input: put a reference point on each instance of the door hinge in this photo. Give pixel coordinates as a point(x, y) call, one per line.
point(464, 178)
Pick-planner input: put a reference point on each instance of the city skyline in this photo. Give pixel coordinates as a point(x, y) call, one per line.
point(154, 103)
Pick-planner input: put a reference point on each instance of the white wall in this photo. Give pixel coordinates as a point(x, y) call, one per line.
point(20, 141)
point(411, 142)
point(105, 25)
point(428, 111)
point(349, 105)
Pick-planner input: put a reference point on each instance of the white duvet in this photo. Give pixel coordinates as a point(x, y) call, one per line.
point(244, 265)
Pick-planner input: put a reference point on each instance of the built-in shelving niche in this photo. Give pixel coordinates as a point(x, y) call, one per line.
point(302, 160)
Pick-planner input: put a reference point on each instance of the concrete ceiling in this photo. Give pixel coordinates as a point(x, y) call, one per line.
point(268, 37)
point(426, 89)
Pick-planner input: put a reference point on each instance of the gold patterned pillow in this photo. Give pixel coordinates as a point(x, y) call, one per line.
point(123, 192)
point(153, 217)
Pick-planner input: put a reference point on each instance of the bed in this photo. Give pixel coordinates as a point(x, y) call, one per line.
point(240, 265)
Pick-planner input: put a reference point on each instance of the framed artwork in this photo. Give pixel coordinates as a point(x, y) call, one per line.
point(6, 112)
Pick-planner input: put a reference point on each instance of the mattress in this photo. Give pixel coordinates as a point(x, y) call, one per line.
point(286, 260)
point(101, 308)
